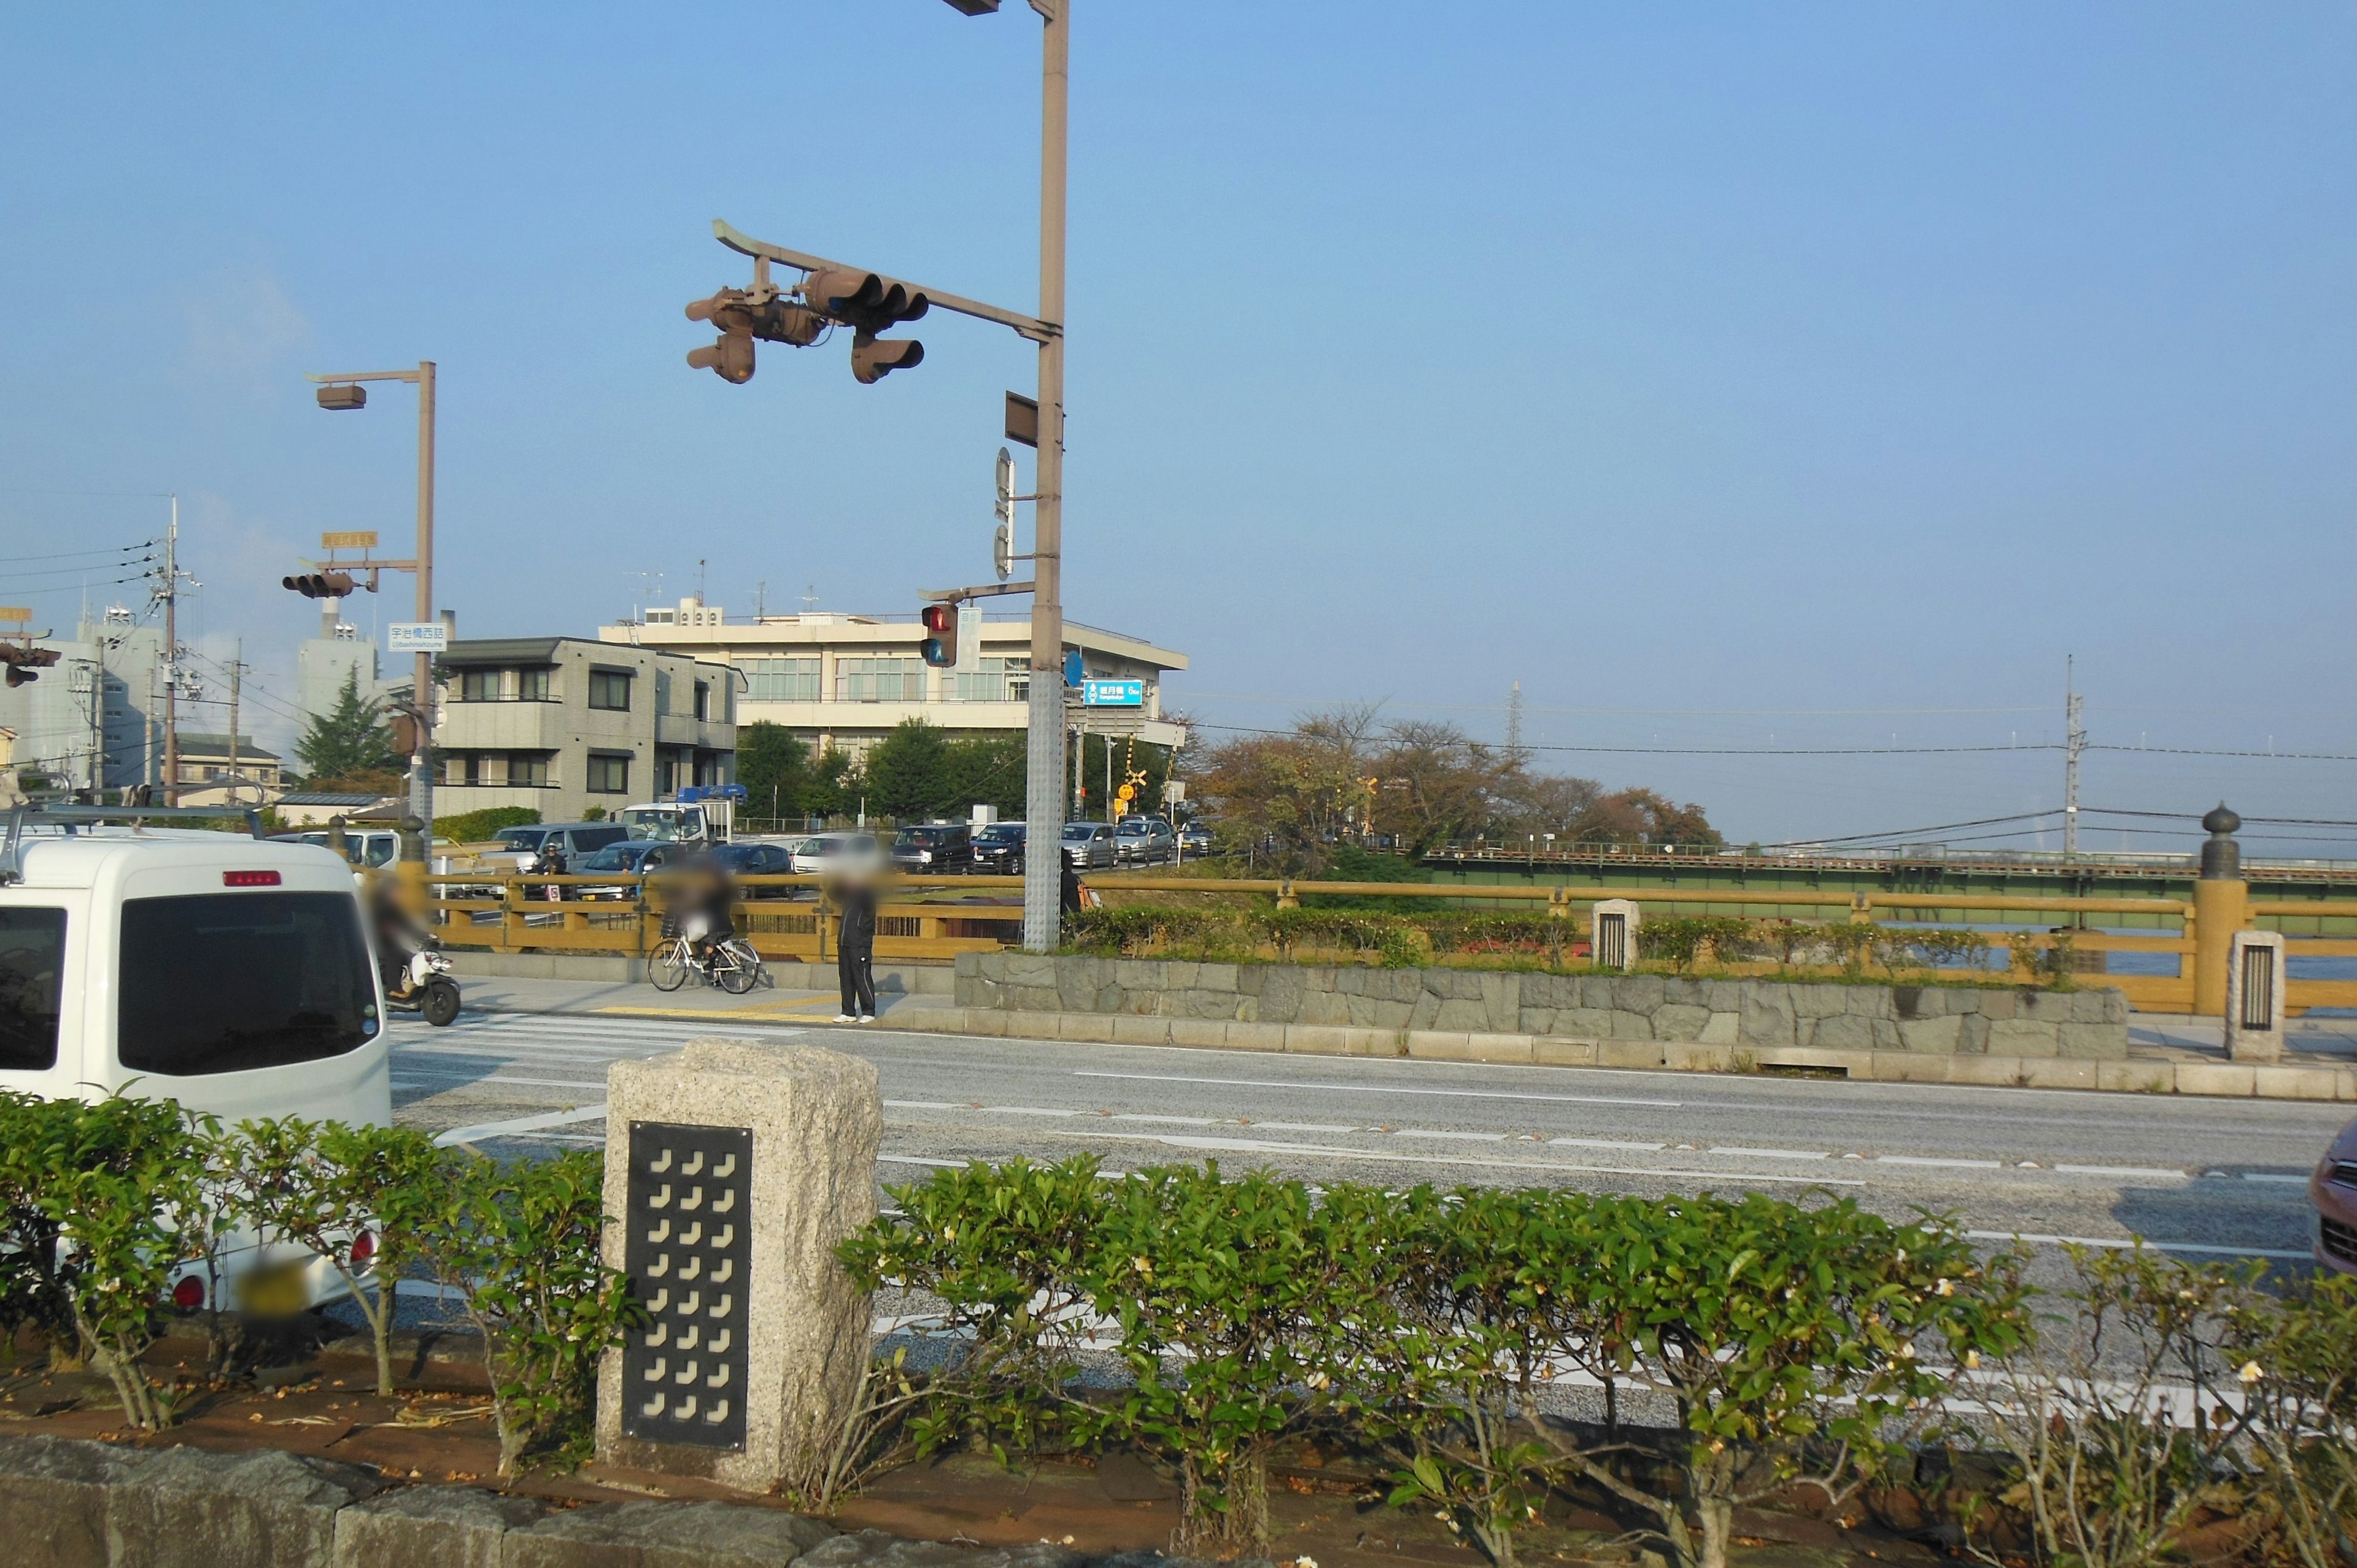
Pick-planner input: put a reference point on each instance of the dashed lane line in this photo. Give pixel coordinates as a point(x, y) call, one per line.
point(547, 1118)
point(2125, 1243)
point(1382, 1089)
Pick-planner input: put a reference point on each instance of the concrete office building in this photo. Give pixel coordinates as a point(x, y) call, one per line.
point(843, 681)
point(562, 723)
point(323, 663)
point(93, 719)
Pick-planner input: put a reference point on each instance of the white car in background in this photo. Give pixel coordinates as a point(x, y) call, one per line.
point(822, 853)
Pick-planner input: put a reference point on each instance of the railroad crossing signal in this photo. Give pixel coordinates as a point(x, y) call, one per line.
point(319, 584)
point(940, 647)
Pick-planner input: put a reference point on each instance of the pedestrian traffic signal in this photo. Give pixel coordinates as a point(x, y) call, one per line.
point(940, 635)
point(742, 316)
point(24, 662)
point(319, 584)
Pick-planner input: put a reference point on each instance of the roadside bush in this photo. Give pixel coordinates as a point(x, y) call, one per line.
point(520, 1247)
point(322, 1184)
point(479, 827)
point(1679, 940)
point(2300, 1352)
point(93, 1193)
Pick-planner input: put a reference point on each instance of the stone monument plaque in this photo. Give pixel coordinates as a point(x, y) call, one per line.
point(688, 1253)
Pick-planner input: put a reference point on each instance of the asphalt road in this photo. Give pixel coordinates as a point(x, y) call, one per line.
point(2207, 1178)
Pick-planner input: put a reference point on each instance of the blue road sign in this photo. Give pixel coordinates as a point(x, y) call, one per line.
point(1113, 693)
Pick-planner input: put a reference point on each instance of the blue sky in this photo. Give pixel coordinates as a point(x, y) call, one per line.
point(1820, 372)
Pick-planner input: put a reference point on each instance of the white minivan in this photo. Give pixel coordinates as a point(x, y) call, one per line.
point(234, 974)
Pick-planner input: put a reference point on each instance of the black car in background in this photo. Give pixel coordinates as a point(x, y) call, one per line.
point(998, 850)
point(757, 860)
point(936, 849)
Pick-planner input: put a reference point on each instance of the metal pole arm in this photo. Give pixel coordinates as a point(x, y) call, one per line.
point(1030, 327)
point(988, 591)
point(369, 376)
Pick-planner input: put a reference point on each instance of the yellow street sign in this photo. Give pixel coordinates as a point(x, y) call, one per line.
point(14, 612)
point(365, 540)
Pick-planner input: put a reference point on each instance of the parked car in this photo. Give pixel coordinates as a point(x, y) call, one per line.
point(362, 846)
point(2333, 1190)
point(519, 846)
point(998, 850)
point(630, 857)
point(1144, 839)
point(1195, 838)
point(252, 992)
point(1087, 845)
point(757, 859)
point(824, 852)
point(935, 849)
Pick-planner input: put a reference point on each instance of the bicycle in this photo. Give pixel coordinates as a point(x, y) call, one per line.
point(730, 964)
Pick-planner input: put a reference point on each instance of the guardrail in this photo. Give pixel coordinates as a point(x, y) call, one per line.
point(787, 917)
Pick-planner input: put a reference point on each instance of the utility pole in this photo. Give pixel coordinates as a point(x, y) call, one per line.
point(2074, 741)
point(1043, 884)
point(236, 680)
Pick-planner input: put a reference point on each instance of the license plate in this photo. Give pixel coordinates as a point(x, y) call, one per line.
point(275, 1290)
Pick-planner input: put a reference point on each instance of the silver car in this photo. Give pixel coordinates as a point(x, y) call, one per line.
point(1144, 839)
point(824, 853)
point(1087, 845)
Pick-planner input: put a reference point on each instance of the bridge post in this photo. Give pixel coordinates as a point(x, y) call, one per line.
point(2222, 906)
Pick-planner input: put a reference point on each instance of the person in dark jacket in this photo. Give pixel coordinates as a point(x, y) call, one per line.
point(855, 952)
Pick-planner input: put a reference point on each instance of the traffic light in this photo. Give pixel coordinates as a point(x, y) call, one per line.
point(870, 303)
point(319, 584)
point(741, 318)
point(940, 635)
point(23, 661)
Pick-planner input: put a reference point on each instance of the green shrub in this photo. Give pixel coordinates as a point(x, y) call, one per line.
point(1679, 940)
point(480, 827)
point(519, 1246)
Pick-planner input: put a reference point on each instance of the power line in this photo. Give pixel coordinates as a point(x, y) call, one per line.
point(1707, 751)
point(2270, 755)
point(75, 555)
point(1909, 832)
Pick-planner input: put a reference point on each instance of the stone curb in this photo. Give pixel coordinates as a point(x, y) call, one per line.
point(2245, 1080)
point(70, 1503)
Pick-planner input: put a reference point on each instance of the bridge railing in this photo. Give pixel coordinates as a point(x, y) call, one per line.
point(934, 918)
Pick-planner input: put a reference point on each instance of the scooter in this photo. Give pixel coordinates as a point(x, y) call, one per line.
point(426, 987)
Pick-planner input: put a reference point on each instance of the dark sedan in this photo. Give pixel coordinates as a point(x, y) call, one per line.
point(2333, 1190)
point(998, 850)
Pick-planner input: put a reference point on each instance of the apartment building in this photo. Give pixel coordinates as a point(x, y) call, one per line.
point(843, 681)
point(213, 774)
point(562, 723)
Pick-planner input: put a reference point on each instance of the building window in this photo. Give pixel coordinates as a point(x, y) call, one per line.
point(479, 685)
point(880, 680)
point(783, 680)
point(532, 686)
point(610, 773)
point(610, 690)
point(702, 701)
point(997, 680)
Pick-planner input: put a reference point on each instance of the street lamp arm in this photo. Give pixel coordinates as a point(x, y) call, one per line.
point(368, 376)
point(1030, 327)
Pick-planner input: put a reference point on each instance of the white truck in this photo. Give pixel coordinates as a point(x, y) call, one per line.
point(231, 974)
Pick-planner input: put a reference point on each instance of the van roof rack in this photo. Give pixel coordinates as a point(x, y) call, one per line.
point(45, 813)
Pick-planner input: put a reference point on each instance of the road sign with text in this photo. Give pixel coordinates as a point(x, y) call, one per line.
point(1113, 693)
point(418, 637)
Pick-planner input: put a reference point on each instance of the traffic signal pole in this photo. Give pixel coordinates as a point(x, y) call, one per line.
point(1043, 811)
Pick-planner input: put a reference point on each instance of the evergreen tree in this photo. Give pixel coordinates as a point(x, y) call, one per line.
point(775, 770)
point(350, 741)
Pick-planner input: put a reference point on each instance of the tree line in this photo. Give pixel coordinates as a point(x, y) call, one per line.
point(1342, 779)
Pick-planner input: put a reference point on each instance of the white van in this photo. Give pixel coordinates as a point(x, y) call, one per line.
point(234, 974)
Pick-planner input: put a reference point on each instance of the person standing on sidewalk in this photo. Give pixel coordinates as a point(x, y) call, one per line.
point(855, 948)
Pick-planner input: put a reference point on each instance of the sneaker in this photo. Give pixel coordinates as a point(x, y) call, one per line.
point(867, 1018)
point(846, 1018)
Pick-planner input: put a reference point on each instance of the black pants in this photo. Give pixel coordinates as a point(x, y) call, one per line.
point(855, 966)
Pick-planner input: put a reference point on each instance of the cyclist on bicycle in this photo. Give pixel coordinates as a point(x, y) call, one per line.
point(701, 896)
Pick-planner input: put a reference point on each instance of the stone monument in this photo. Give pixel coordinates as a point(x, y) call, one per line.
point(1612, 933)
point(736, 1167)
point(2255, 997)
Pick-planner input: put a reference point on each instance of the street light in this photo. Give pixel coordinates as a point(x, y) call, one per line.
point(344, 392)
point(1044, 750)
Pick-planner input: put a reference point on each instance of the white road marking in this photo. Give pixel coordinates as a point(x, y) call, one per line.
point(518, 1124)
point(915, 1160)
point(920, 1105)
point(1344, 1152)
point(1606, 1144)
point(1167, 1121)
point(1945, 1165)
point(2115, 1243)
point(1379, 1088)
point(1770, 1153)
point(1440, 1133)
point(459, 1080)
point(1306, 1127)
point(1025, 1111)
point(2287, 1180)
point(2145, 1173)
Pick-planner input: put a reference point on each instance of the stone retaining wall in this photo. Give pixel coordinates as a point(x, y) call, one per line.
point(1937, 1020)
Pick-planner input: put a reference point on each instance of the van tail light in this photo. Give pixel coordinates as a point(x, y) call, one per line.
point(189, 1294)
point(363, 1247)
point(249, 879)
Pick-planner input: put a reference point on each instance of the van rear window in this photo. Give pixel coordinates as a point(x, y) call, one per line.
point(231, 982)
point(598, 838)
point(32, 960)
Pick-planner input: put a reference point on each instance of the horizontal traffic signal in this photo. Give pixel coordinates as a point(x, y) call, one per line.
point(940, 647)
point(319, 584)
point(23, 662)
point(741, 318)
